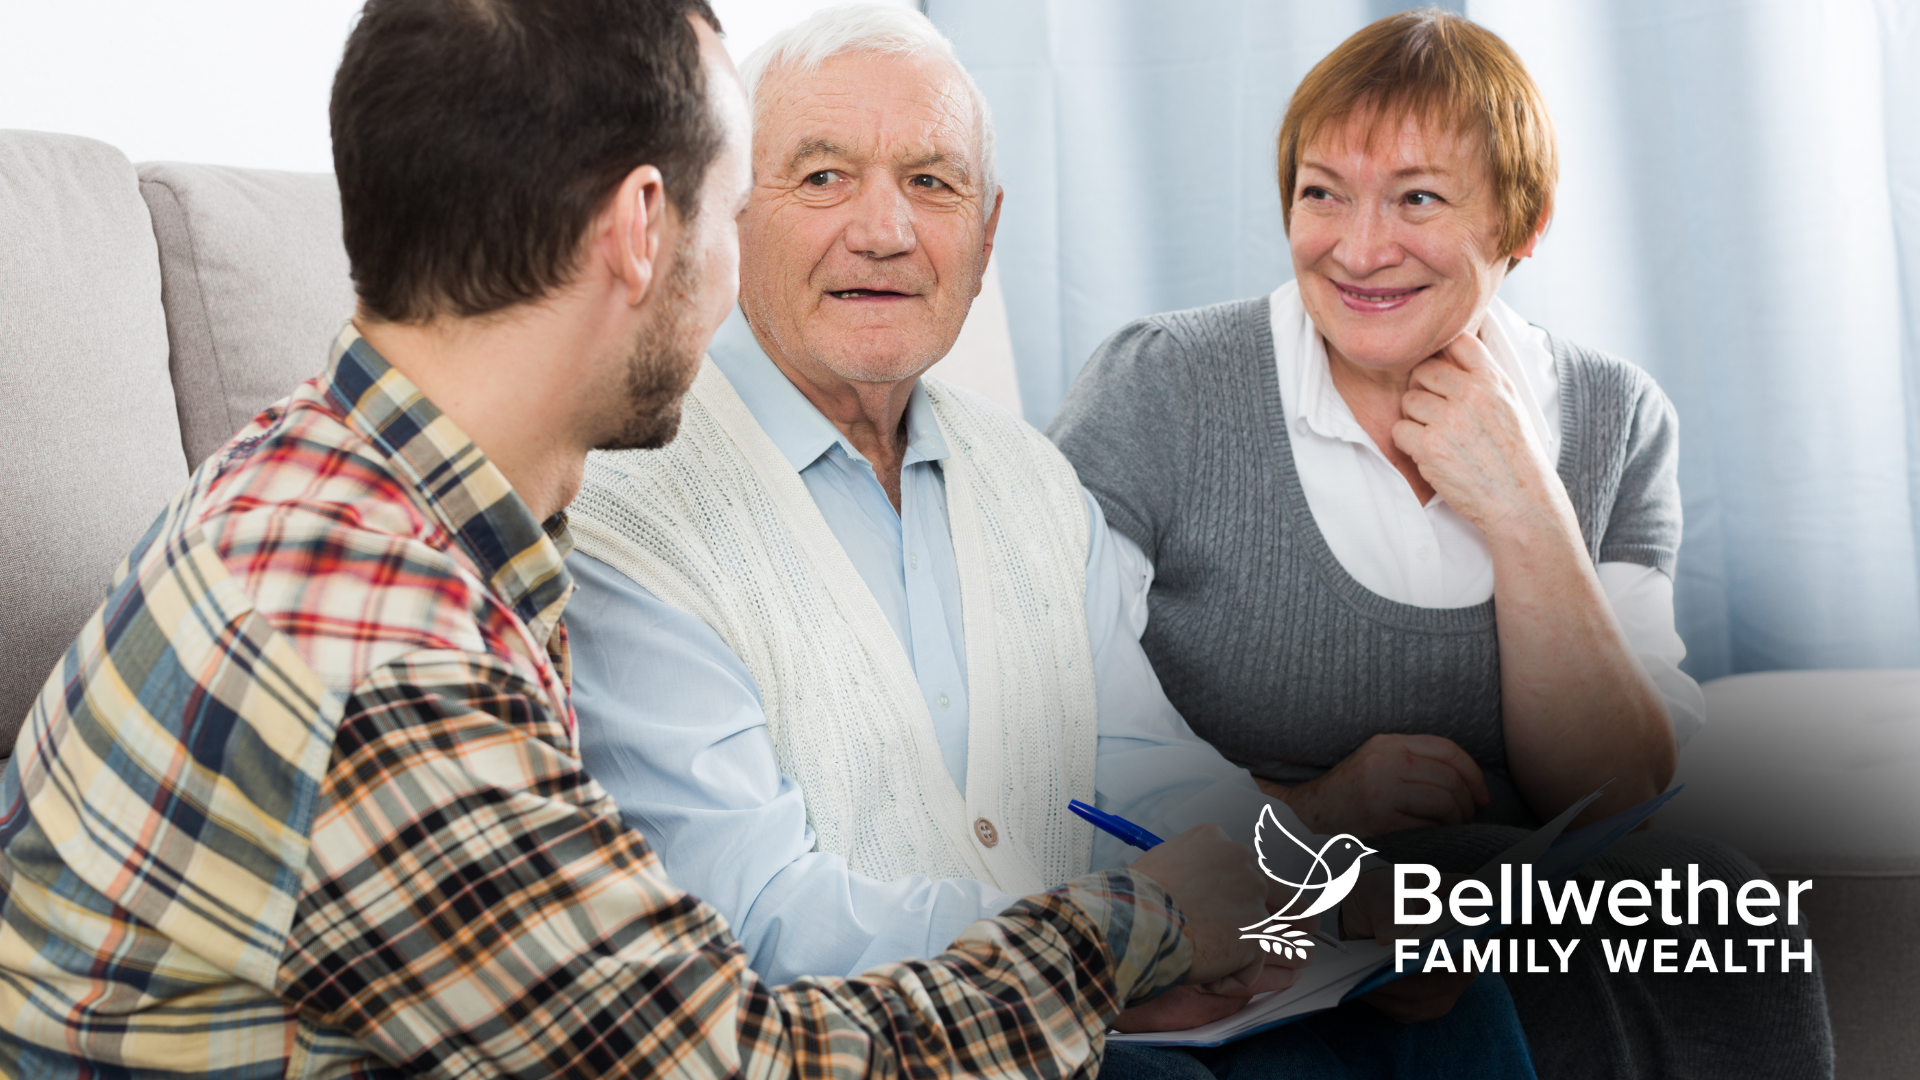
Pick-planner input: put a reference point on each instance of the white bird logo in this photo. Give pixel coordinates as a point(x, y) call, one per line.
point(1335, 869)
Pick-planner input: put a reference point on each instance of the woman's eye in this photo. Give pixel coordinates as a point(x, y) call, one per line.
point(1422, 198)
point(1313, 192)
point(822, 178)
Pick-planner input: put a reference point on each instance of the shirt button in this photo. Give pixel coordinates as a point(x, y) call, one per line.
point(913, 562)
point(942, 699)
point(988, 835)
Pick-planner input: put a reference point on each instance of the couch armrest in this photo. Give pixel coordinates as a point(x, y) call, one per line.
point(1808, 772)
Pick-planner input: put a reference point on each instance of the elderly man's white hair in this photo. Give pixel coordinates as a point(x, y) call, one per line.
point(867, 28)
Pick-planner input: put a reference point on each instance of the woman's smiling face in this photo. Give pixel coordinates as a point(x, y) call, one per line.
point(1395, 244)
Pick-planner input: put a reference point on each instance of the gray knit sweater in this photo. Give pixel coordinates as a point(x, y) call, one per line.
point(1270, 649)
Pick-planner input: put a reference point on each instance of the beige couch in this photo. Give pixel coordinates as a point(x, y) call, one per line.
point(146, 313)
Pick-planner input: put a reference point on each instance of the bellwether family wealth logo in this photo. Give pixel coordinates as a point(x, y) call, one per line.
point(1535, 876)
point(1335, 869)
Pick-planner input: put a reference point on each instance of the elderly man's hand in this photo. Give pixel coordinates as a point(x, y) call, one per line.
point(1392, 782)
point(1192, 1005)
point(1368, 912)
point(1218, 886)
point(1186, 1007)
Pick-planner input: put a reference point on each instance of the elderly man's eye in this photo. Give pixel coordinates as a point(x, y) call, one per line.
point(822, 178)
point(925, 181)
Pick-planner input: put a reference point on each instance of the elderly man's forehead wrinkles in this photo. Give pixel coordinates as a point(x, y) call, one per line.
point(837, 112)
point(960, 124)
point(812, 148)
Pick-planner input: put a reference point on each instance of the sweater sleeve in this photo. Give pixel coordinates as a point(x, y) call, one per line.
point(1644, 526)
point(1126, 427)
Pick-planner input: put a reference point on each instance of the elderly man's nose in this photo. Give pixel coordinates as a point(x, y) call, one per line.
point(882, 223)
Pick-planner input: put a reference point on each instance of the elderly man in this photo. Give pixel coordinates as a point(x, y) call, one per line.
point(846, 649)
point(851, 643)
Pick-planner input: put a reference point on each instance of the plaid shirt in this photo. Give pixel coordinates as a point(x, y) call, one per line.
point(303, 799)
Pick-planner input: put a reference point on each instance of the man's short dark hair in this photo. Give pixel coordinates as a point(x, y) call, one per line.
point(475, 140)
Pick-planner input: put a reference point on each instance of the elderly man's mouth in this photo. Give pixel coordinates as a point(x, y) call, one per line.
point(867, 294)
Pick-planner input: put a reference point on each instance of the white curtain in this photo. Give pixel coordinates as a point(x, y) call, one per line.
point(1739, 213)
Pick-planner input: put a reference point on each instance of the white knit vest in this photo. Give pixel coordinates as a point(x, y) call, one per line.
point(719, 525)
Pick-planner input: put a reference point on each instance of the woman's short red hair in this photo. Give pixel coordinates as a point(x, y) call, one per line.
point(1454, 75)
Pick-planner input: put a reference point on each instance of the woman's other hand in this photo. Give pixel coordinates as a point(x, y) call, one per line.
point(1392, 782)
point(1462, 426)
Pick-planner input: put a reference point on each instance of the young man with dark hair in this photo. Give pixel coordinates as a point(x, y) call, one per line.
point(304, 798)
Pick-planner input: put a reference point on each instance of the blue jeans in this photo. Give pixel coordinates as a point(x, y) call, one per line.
point(1479, 1038)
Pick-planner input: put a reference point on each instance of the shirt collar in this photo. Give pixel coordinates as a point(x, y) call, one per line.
point(801, 432)
point(1306, 383)
point(522, 559)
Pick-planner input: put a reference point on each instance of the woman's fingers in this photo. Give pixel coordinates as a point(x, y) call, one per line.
point(1471, 354)
point(1394, 782)
point(1421, 780)
point(1411, 437)
point(1422, 406)
point(1432, 804)
point(1429, 759)
point(1460, 406)
point(1438, 375)
point(1430, 789)
point(1445, 750)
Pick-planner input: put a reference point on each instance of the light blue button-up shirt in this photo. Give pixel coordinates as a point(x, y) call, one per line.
point(671, 722)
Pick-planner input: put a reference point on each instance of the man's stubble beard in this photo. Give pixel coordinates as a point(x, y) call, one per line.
point(666, 356)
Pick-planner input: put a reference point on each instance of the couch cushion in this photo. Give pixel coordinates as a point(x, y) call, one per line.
point(255, 282)
point(87, 428)
point(1808, 772)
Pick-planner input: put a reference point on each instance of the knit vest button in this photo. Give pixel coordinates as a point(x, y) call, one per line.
point(986, 832)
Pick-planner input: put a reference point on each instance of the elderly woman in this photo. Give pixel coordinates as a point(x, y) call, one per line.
point(1411, 557)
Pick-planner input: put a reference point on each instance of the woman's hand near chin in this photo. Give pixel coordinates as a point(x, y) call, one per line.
point(1462, 426)
point(1392, 782)
point(1577, 707)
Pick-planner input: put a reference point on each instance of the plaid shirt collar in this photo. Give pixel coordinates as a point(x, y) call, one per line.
point(522, 559)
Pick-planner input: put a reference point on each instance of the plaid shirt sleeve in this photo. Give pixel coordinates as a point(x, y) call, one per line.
point(474, 905)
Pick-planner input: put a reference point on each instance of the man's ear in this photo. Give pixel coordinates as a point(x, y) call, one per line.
point(636, 231)
point(993, 225)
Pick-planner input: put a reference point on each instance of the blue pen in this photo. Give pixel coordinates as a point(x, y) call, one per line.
point(1128, 832)
point(1114, 825)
